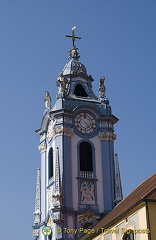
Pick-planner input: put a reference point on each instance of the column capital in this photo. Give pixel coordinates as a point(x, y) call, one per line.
point(107, 136)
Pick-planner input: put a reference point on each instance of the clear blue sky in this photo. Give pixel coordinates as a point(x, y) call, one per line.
point(118, 42)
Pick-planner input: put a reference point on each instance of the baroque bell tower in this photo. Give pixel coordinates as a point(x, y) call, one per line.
point(78, 181)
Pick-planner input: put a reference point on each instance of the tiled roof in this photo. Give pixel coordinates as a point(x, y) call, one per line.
point(146, 191)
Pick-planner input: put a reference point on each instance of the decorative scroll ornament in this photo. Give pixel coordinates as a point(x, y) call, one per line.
point(58, 131)
point(42, 147)
point(62, 83)
point(47, 100)
point(107, 136)
point(89, 218)
point(42, 137)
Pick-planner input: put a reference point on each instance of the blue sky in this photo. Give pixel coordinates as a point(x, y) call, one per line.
point(118, 42)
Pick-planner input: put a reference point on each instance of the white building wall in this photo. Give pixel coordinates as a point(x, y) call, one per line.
point(136, 221)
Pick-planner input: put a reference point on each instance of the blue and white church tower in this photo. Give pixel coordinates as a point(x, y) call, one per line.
point(76, 183)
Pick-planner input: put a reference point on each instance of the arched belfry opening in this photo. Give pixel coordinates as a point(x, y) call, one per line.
point(86, 158)
point(80, 91)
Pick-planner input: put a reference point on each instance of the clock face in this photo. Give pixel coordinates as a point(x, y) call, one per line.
point(85, 122)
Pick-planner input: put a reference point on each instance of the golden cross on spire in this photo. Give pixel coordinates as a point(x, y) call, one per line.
point(73, 36)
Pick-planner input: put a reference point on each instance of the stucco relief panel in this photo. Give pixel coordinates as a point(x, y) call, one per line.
point(87, 192)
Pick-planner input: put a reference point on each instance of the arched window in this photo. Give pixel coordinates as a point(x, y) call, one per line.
point(80, 91)
point(86, 159)
point(50, 159)
point(129, 235)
